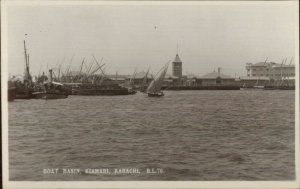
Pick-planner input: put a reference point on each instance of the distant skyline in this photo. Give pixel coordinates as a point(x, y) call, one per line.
point(130, 37)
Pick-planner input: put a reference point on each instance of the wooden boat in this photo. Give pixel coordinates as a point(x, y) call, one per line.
point(49, 95)
point(154, 88)
point(102, 90)
point(51, 90)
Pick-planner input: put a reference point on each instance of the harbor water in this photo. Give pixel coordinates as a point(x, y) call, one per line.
point(190, 135)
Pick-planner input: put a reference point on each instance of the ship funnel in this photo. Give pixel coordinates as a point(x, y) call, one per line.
point(50, 75)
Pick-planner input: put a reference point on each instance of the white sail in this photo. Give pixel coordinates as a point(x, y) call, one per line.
point(144, 82)
point(156, 84)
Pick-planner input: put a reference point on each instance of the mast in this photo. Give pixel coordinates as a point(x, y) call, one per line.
point(27, 76)
point(283, 62)
point(289, 73)
point(26, 59)
point(116, 76)
point(131, 81)
point(100, 67)
point(25, 55)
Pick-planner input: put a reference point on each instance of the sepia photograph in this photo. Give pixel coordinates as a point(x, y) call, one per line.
point(193, 94)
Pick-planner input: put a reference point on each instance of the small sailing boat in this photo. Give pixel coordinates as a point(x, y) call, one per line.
point(154, 88)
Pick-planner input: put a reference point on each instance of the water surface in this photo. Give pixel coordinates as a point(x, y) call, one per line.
point(191, 135)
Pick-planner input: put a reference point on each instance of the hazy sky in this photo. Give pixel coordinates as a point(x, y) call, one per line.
point(142, 36)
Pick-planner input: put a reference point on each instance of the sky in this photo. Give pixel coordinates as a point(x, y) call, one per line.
point(129, 37)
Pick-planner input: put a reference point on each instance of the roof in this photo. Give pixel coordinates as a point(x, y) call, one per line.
point(177, 59)
point(214, 75)
point(284, 66)
point(266, 64)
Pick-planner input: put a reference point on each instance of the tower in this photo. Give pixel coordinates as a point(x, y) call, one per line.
point(177, 67)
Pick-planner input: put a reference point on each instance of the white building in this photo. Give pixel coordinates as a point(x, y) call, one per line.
point(271, 70)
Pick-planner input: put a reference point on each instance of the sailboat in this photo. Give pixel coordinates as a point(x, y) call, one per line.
point(143, 86)
point(154, 88)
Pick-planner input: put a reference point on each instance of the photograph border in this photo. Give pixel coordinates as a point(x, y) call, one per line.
point(137, 184)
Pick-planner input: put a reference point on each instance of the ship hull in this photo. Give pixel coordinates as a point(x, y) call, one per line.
point(11, 94)
point(49, 96)
point(99, 92)
point(23, 96)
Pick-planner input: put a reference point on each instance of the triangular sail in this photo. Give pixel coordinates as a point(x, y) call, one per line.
point(156, 84)
point(151, 87)
point(144, 82)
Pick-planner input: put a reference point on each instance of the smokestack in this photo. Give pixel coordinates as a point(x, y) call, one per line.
point(50, 75)
point(219, 71)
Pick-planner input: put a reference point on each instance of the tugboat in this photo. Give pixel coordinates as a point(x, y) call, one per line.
point(154, 88)
point(51, 90)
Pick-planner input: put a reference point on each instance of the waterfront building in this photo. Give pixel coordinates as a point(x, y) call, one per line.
point(215, 79)
point(271, 70)
point(177, 67)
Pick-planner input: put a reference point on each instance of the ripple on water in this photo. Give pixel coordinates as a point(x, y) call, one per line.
point(192, 135)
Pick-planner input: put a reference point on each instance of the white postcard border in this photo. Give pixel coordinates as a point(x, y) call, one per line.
point(138, 184)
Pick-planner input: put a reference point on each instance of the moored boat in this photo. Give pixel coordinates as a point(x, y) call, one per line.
point(49, 95)
point(102, 90)
point(51, 90)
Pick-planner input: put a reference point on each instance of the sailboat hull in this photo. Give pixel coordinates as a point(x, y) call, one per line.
point(155, 94)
